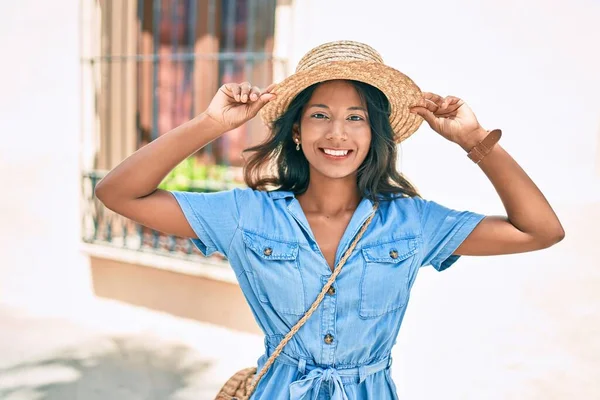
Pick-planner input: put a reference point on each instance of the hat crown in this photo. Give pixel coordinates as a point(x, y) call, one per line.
point(343, 50)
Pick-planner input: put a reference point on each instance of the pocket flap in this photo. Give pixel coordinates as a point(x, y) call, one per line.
point(391, 252)
point(270, 249)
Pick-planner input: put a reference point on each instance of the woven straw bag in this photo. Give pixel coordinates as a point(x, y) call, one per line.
point(242, 384)
point(238, 386)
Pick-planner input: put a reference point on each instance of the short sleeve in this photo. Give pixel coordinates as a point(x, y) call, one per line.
point(214, 217)
point(443, 230)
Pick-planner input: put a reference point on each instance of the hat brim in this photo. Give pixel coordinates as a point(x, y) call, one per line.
point(401, 91)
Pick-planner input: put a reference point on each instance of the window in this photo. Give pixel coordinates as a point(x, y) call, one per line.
point(159, 62)
point(150, 65)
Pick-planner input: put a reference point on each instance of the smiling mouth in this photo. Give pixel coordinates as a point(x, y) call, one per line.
point(335, 153)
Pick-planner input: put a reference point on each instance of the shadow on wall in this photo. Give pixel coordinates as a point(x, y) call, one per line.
point(112, 368)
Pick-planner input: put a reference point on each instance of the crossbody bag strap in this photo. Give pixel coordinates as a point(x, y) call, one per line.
point(314, 306)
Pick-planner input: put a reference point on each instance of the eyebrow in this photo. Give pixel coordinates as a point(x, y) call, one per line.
point(327, 107)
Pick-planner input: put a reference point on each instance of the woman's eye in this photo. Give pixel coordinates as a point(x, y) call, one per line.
point(356, 118)
point(319, 116)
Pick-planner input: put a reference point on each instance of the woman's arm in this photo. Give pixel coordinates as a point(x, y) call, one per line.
point(531, 224)
point(130, 189)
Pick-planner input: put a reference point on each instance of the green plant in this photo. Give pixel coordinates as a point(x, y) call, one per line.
point(191, 175)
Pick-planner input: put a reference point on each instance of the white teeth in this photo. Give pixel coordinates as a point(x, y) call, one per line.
point(337, 153)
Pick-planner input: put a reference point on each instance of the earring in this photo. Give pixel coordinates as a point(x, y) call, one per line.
point(297, 146)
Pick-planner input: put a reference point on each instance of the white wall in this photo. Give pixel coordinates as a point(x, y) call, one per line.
point(521, 326)
point(40, 264)
point(530, 68)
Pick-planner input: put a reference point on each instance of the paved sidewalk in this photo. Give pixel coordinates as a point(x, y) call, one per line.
point(117, 352)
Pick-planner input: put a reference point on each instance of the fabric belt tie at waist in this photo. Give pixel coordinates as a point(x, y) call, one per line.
point(312, 382)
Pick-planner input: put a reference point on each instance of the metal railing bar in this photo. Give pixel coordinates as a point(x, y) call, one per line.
point(190, 64)
point(156, 19)
point(123, 78)
point(224, 56)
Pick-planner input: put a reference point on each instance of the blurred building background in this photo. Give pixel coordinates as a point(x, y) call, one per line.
point(94, 306)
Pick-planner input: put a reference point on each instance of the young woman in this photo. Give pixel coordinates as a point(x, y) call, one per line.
point(329, 159)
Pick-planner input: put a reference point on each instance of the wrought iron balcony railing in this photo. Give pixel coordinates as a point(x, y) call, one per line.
point(104, 227)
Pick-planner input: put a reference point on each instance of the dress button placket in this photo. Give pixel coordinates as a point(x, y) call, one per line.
point(328, 325)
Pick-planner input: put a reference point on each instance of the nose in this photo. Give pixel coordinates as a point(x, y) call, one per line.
point(337, 131)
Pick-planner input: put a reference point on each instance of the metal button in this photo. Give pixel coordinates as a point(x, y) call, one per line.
point(328, 338)
point(394, 254)
point(331, 291)
point(268, 251)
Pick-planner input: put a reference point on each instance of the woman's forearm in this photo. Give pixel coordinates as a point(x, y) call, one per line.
point(526, 207)
point(140, 174)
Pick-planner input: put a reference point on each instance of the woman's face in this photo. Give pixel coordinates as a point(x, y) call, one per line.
point(334, 130)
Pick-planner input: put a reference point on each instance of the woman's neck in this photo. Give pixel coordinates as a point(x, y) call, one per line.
point(330, 197)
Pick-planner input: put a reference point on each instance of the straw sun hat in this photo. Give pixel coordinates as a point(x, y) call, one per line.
point(354, 61)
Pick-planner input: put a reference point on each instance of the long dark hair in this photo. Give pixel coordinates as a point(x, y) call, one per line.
point(275, 163)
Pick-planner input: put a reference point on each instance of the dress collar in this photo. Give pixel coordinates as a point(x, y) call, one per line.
point(281, 194)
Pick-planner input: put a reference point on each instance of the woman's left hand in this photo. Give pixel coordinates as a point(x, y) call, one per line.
point(452, 118)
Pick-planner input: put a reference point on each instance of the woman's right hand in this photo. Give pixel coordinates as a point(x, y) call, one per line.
point(236, 103)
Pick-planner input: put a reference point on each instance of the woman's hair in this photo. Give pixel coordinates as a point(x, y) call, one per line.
point(275, 163)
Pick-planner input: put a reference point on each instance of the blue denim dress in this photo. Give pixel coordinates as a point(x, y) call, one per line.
point(343, 351)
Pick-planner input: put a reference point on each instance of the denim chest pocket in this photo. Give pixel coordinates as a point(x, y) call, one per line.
point(274, 267)
point(386, 276)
